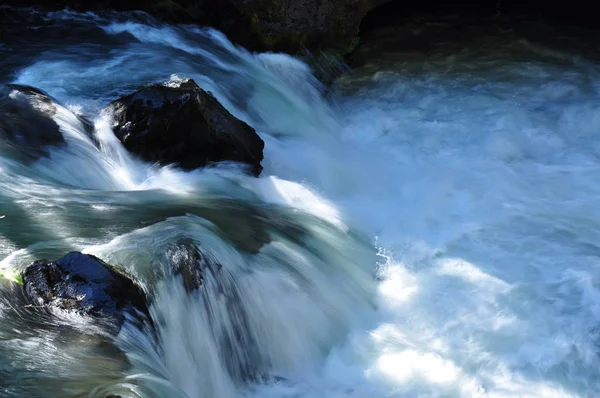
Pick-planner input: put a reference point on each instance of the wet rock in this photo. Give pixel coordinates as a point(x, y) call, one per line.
point(26, 125)
point(217, 287)
point(184, 125)
point(187, 261)
point(84, 284)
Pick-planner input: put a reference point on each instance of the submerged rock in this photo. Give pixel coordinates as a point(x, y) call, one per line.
point(188, 262)
point(205, 278)
point(184, 125)
point(86, 285)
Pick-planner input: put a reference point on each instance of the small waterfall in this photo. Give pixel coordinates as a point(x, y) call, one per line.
point(429, 230)
point(225, 316)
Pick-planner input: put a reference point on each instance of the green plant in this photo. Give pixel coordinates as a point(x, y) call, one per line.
point(11, 275)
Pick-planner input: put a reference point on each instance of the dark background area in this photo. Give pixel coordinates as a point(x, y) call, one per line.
point(555, 16)
point(571, 12)
point(578, 12)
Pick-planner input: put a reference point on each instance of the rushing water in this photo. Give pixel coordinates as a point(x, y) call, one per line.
point(431, 229)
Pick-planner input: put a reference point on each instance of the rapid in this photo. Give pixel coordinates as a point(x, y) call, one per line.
point(427, 227)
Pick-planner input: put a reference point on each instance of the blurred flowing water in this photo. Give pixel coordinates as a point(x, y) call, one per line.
point(429, 229)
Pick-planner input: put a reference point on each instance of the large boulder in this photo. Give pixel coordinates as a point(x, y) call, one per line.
point(182, 124)
point(84, 284)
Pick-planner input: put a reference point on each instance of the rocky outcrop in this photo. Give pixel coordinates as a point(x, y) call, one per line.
point(86, 285)
point(184, 125)
point(260, 25)
point(291, 25)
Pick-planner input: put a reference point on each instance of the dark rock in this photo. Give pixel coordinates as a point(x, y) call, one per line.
point(184, 125)
point(26, 125)
point(259, 25)
point(187, 261)
point(84, 284)
point(293, 25)
point(216, 285)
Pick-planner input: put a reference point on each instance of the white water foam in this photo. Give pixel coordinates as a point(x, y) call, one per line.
point(477, 177)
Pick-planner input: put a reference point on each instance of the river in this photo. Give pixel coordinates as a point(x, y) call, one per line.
point(428, 227)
